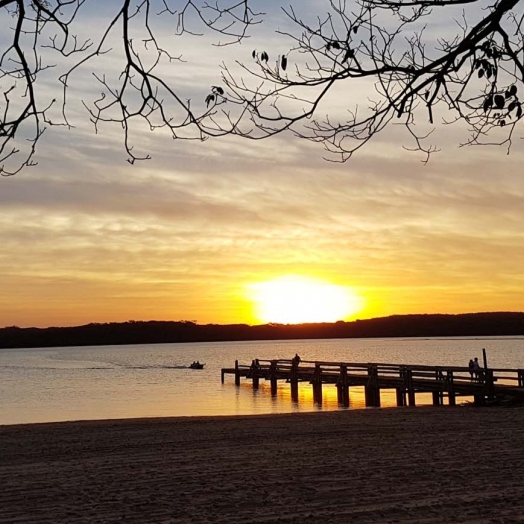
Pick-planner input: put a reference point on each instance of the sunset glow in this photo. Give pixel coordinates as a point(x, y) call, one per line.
point(236, 231)
point(294, 300)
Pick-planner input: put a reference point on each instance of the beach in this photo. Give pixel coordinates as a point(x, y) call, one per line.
point(399, 465)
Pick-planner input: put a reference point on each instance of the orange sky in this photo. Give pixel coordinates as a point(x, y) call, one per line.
point(86, 237)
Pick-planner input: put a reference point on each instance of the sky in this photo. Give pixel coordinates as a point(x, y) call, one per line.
point(236, 231)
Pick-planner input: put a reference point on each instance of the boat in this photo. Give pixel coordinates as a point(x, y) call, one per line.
point(196, 365)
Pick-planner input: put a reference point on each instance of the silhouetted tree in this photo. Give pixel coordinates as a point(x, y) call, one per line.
point(154, 332)
point(36, 37)
point(415, 57)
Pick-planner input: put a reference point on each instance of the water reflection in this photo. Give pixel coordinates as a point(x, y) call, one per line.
point(305, 401)
point(52, 384)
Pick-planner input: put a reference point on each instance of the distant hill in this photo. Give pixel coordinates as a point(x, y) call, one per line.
point(152, 332)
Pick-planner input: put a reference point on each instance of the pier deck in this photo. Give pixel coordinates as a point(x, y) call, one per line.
point(441, 381)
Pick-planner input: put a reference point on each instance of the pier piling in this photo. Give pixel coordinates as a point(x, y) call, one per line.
point(406, 380)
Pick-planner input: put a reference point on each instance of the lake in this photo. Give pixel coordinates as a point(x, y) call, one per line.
point(108, 382)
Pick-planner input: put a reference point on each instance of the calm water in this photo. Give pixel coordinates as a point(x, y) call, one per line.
point(80, 383)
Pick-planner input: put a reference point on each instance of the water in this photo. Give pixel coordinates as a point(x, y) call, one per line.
point(104, 382)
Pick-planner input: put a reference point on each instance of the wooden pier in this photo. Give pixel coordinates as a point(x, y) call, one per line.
point(407, 380)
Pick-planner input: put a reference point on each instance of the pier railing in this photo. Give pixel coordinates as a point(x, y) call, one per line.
point(406, 379)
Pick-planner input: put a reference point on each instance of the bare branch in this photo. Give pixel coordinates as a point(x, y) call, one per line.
point(475, 75)
point(414, 73)
point(43, 34)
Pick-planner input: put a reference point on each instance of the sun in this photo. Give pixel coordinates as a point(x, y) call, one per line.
point(296, 300)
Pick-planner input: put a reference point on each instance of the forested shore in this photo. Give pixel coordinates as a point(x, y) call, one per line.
point(151, 332)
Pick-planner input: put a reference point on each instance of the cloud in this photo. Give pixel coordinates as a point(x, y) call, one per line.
point(87, 237)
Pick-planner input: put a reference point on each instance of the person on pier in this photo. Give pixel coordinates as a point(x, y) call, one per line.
point(476, 369)
point(471, 367)
point(296, 359)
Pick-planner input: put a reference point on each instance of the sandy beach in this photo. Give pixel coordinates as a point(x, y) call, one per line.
point(423, 465)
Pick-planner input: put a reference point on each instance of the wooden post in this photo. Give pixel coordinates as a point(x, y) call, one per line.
point(343, 387)
point(372, 389)
point(451, 389)
point(376, 387)
point(401, 397)
point(485, 358)
point(489, 384)
point(437, 395)
point(317, 384)
point(368, 392)
point(478, 400)
point(401, 392)
point(436, 398)
point(254, 374)
point(222, 376)
point(273, 377)
point(237, 374)
point(410, 388)
point(294, 380)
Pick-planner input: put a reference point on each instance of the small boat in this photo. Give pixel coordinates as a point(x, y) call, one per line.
point(196, 365)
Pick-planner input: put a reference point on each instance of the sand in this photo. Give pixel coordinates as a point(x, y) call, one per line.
point(423, 465)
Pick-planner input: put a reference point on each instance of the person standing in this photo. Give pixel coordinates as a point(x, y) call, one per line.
point(476, 369)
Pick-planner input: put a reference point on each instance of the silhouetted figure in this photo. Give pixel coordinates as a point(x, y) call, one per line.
point(296, 359)
point(476, 369)
point(471, 367)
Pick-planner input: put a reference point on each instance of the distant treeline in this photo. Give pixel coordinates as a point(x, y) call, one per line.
point(152, 332)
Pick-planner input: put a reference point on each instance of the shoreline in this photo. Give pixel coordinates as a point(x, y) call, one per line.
point(388, 465)
point(202, 418)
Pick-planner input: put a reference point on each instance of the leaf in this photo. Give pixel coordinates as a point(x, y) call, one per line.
point(499, 101)
point(487, 104)
point(335, 45)
point(502, 123)
point(264, 57)
point(348, 54)
point(519, 112)
point(283, 62)
point(355, 29)
point(512, 90)
point(512, 106)
point(481, 73)
point(254, 53)
point(426, 95)
point(218, 89)
point(209, 99)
